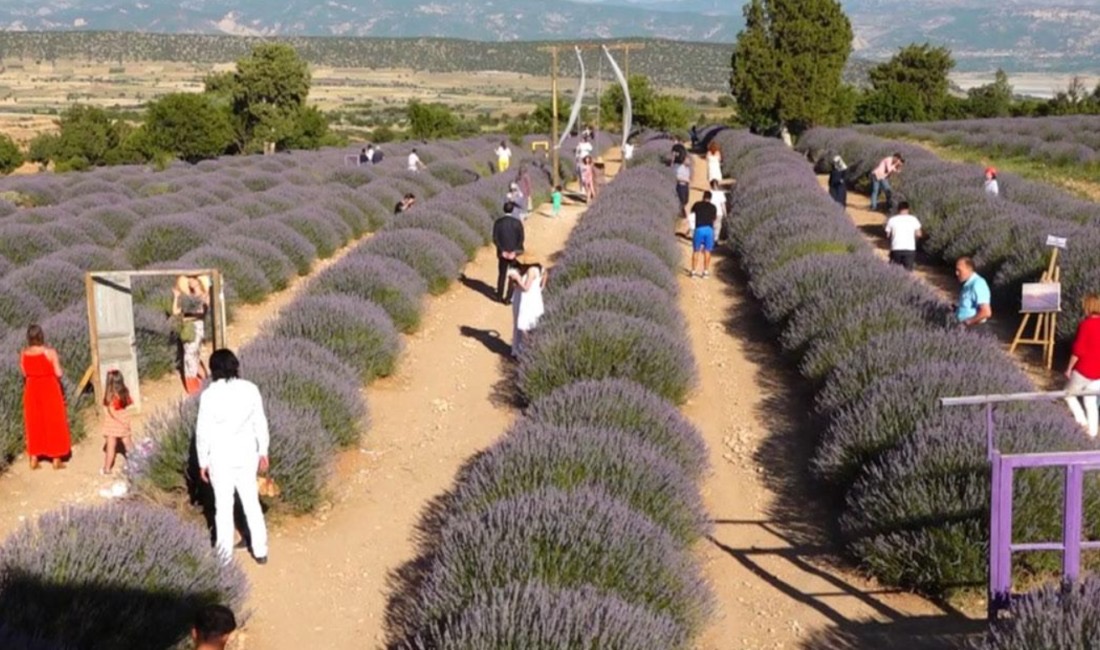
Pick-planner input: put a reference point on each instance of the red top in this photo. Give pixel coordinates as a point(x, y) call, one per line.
point(1086, 347)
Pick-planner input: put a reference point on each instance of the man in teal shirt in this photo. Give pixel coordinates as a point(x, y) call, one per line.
point(974, 306)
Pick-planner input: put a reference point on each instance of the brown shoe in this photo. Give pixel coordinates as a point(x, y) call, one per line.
point(57, 464)
point(34, 462)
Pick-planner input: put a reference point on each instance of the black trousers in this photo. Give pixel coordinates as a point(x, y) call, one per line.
point(907, 259)
point(504, 287)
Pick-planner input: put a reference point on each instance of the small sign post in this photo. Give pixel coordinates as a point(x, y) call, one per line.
point(1043, 300)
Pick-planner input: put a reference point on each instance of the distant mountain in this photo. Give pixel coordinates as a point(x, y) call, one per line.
point(1018, 35)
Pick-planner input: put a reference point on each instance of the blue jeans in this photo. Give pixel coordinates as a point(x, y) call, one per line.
point(876, 186)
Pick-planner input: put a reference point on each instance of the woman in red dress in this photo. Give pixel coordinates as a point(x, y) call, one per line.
point(44, 415)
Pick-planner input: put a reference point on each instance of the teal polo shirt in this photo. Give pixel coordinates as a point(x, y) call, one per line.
point(974, 292)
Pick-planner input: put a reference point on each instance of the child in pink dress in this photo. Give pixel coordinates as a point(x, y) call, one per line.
point(116, 419)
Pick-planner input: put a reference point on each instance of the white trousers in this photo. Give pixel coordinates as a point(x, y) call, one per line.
point(242, 480)
point(1088, 417)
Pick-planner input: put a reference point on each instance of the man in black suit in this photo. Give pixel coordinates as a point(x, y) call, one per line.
point(508, 239)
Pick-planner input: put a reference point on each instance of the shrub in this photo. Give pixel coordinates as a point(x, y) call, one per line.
point(450, 227)
point(604, 345)
point(118, 219)
point(355, 330)
point(562, 540)
point(297, 248)
point(115, 576)
point(156, 349)
point(89, 257)
point(300, 455)
point(249, 283)
point(638, 298)
point(22, 244)
point(168, 238)
point(19, 307)
point(625, 406)
point(453, 173)
point(303, 351)
point(613, 259)
point(166, 466)
point(534, 617)
point(327, 235)
point(333, 396)
point(1052, 617)
point(535, 456)
point(387, 282)
point(655, 241)
point(474, 216)
point(437, 259)
point(275, 266)
point(57, 284)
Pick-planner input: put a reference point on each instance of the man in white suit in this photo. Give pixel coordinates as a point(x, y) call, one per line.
point(232, 440)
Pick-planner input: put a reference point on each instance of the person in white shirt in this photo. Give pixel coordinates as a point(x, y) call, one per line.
point(903, 229)
point(584, 149)
point(718, 198)
point(231, 440)
point(415, 164)
point(992, 188)
point(368, 155)
point(504, 157)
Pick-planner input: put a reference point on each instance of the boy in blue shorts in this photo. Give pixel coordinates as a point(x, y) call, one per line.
point(706, 213)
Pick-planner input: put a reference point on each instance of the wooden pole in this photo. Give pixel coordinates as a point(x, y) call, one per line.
point(555, 152)
point(92, 373)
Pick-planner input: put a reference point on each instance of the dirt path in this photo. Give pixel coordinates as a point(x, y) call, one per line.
point(326, 585)
point(770, 560)
point(27, 494)
point(942, 279)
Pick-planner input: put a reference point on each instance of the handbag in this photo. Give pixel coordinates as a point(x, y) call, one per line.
point(267, 487)
point(183, 328)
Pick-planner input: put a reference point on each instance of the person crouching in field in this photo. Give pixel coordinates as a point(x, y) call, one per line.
point(904, 230)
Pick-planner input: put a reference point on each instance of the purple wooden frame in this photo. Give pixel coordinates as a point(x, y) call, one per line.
point(1004, 467)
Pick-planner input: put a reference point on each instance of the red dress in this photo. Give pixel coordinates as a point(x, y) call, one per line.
point(44, 416)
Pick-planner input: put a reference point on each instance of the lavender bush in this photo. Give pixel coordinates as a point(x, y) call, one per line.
point(1052, 617)
point(163, 239)
point(300, 455)
point(57, 284)
point(116, 576)
point(613, 259)
point(563, 540)
point(297, 248)
point(22, 244)
point(534, 617)
point(276, 267)
point(450, 227)
point(437, 259)
point(387, 282)
point(248, 282)
point(637, 298)
point(326, 231)
point(605, 345)
point(18, 306)
point(356, 330)
point(534, 456)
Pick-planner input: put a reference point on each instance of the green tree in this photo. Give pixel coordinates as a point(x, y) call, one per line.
point(43, 148)
point(991, 100)
point(430, 121)
point(649, 109)
point(10, 155)
point(87, 135)
point(916, 70)
point(787, 63)
point(189, 126)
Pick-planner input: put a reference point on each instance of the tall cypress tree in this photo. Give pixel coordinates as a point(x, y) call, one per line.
point(788, 61)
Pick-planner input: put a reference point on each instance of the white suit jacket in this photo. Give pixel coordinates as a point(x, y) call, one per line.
point(231, 431)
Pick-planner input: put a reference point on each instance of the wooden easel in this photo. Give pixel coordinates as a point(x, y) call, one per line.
point(1045, 322)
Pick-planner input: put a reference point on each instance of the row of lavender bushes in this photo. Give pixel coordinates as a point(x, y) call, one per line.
point(261, 220)
point(575, 529)
point(131, 575)
point(341, 332)
point(1072, 140)
point(1006, 235)
point(911, 477)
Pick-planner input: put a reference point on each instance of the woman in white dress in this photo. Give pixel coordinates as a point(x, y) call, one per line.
point(530, 279)
point(718, 198)
point(714, 163)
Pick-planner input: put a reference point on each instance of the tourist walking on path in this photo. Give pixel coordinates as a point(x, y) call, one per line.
point(213, 626)
point(714, 163)
point(231, 441)
point(116, 419)
point(1083, 370)
point(555, 201)
point(190, 301)
point(529, 279)
point(683, 184)
point(974, 306)
point(504, 157)
point(588, 179)
point(414, 162)
point(584, 149)
point(516, 197)
point(508, 237)
point(904, 230)
point(45, 420)
point(838, 184)
point(991, 187)
point(702, 241)
point(880, 178)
